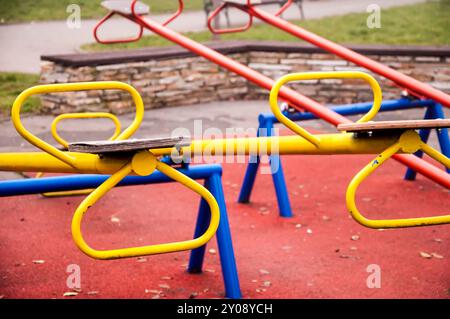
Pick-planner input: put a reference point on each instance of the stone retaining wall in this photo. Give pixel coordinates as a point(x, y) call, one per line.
point(173, 76)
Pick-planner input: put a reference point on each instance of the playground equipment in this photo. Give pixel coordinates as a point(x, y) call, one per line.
point(292, 97)
point(268, 120)
point(142, 158)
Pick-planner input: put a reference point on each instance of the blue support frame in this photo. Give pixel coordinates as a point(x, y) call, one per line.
point(267, 121)
point(212, 176)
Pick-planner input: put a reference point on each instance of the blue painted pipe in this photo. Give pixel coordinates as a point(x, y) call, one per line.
point(75, 182)
point(354, 109)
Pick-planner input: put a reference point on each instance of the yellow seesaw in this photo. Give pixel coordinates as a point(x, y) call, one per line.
point(122, 157)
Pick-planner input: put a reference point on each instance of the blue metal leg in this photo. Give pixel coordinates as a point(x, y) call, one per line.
point(249, 180)
point(433, 112)
point(279, 182)
point(224, 242)
point(250, 174)
point(203, 219)
point(284, 205)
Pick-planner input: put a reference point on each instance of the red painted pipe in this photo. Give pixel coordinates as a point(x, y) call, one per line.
point(407, 82)
point(294, 98)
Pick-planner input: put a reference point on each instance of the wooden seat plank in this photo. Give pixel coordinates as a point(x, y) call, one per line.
point(127, 146)
point(394, 125)
point(124, 7)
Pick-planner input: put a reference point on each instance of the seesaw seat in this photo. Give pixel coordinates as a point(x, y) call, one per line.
point(394, 125)
point(124, 7)
point(127, 146)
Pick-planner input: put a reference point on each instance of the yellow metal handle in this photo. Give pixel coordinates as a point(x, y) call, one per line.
point(90, 115)
point(409, 142)
point(65, 144)
point(67, 87)
point(144, 163)
point(273, 99)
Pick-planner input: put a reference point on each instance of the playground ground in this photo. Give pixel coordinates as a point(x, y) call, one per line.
point(319, 253)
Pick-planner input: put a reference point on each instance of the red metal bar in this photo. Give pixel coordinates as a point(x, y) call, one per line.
point(409, 83)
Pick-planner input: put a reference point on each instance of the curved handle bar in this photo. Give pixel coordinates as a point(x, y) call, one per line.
point(217, 11)
point(90, 115)
point(113, 41)
point(273, 99)
point(409, 142)
point(144, 163)
point(65, 144)
point(171, 18)
point(67, 87)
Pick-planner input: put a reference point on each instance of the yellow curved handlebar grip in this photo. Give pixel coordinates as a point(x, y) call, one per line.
point(67, 87)
point(409, 142)
point(90, 115)
point(273, 99)
point(145, 161)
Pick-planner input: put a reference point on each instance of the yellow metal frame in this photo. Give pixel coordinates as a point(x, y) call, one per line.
point(67, 87)
point(314, 139)
point(409, 142)
point(142, 163)
point(65, 144)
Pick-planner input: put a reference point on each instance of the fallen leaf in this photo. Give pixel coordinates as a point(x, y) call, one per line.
point(309, 231)
point(254, 280)
point(70, 294)
point(264, 272)
point(325, 218)
point(353, 248)
point(437, 256)
point(38, 262)
point(298, 225)
point(141, 259)
point(212, 251)
point(438, 240)
point(425, 255)
point(164, 286)
point(210, 270)
point(355, 237)
point(152, 291)
point(91, 293)
point(166, 278)
point(193, 295)
point(115, 219)
point(156, 296)
point(345, 256)
point(267, 283)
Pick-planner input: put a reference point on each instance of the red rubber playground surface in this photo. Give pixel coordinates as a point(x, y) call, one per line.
point(320, 253)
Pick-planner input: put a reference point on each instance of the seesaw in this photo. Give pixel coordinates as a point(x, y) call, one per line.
point(137, 12)
point(124, 159)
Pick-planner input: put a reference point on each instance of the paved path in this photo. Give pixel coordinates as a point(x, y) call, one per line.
point(23, 44)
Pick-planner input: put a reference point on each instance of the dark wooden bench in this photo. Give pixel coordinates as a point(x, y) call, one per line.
point(127, 146)
point(394, 125)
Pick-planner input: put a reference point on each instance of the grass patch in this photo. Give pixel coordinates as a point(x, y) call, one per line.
point(42, 10)
point(11, 85)
point(421, 24)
